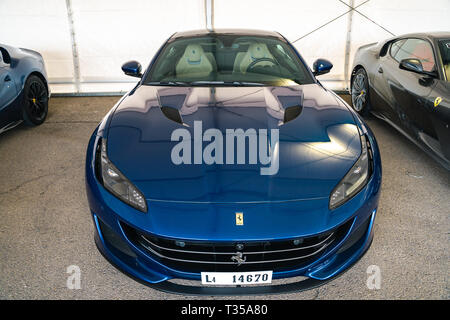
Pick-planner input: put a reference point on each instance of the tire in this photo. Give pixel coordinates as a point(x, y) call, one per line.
point(35, 101)
point(360, 92)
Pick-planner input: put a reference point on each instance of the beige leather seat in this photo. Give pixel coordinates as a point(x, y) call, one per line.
point(447, 71)
point(255, 51)
point(195, 62)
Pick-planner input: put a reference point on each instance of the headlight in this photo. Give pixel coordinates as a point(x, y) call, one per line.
point(116, 183)
point(354, 180)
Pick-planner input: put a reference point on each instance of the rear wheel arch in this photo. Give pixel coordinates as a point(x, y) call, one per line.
point(39, 75)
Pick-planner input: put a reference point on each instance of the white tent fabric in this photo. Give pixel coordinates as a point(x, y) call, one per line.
point(107, 33)
point(323, 26)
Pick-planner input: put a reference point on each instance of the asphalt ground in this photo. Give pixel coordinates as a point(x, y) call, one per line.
point(46, 225)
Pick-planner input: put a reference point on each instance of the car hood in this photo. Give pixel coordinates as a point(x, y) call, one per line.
point(315, 149)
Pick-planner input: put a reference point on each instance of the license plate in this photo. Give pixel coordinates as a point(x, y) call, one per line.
point(236, 278)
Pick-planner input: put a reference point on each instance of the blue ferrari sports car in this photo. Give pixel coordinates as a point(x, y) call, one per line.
point(24, 90)
point(231, 166)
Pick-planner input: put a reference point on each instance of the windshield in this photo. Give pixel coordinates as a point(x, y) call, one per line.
point(229, 60)
point(444, 48)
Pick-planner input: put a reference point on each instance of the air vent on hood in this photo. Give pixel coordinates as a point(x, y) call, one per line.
point(172, 114)
point(291, 113)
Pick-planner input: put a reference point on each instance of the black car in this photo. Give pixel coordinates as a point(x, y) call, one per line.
point(405, 81)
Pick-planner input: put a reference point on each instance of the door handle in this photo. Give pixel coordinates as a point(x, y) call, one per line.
point(7, 78)
point(380, 69)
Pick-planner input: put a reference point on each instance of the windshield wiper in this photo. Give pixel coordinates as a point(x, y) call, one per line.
point(168, 83)
point(226, 83)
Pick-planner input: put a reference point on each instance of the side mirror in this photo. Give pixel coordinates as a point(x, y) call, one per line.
point(132, 68)
point(321, 66)
point(414, 65)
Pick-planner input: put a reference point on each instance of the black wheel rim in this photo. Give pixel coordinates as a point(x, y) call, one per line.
point(37, 100)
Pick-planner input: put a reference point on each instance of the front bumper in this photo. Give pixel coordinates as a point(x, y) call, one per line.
point(320, 273)
point(113, 242)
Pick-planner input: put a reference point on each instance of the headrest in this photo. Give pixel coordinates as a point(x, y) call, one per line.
point(258, 50)
point(193, 62)
point(193, 54)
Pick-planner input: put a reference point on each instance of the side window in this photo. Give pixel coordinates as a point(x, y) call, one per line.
point(417, 49)
point(280, 48)
point(395, 46)
point(4, 57)
point(283, 53)
point(444, 47)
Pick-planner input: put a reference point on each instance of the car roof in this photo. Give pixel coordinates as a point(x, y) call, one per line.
point(242, 32)
point(430, 35)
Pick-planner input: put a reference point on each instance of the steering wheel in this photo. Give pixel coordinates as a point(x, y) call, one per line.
point(258, 60)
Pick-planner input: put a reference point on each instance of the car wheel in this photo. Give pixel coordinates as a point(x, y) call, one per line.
point(360, 92)
point(35, 107)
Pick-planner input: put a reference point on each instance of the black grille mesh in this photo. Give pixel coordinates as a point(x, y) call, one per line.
point(204, 256)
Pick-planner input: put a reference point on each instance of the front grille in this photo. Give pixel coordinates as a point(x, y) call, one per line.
point(205, 256)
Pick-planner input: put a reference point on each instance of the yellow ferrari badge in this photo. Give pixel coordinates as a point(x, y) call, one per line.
point(239, 218)
point(437, 101)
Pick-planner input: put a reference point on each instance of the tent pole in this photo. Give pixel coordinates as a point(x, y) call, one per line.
point(209, 14)
point(75, 57)
point(348, 43)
